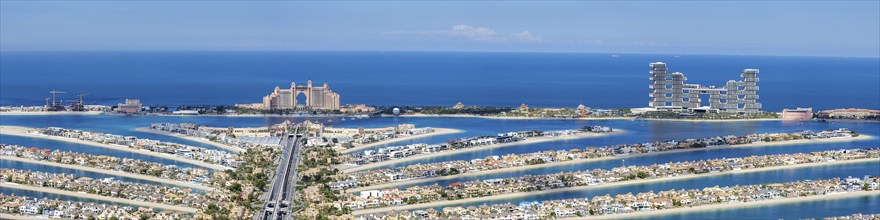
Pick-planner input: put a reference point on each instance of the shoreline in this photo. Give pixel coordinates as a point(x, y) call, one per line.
point(40, 113)
point(19, 217)
point(504, 117)
point(16, 113)
point(22, 131)
point(49, 113)
point(437, 131)
point(711, 120)
point(194, 139)
point(582, 119)
point(253, 115)
point(349, 168)
point(96, 197)
point(606, 185)
point(110, 172)
point(734, 205)
point(591, 160)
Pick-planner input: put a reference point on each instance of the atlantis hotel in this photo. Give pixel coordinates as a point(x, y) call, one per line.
point(314, 97)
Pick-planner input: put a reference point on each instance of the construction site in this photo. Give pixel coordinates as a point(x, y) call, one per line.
point(57, 105)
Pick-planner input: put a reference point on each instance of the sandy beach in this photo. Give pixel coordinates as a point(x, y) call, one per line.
point(258, 115)
point(578, 161)
point(348, 168)
point(585, 119)
point(711, 120)
point(194, 139)
point(437, 131)
point(506, 117)
point(97, 197)
point(606, 185)
point(18, 217)
point(22, 131)
point(109, 172)
point(48, 113)
point(714, 207)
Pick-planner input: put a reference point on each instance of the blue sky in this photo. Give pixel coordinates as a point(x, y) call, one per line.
point(808, 28)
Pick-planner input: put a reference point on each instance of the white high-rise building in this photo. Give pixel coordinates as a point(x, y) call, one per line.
point(670, 92)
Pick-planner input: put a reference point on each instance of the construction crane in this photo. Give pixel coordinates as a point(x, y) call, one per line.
point(55, 105)
point(55, 92)
point(78, 105)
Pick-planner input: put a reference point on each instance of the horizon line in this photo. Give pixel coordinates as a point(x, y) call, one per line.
point(447, 51)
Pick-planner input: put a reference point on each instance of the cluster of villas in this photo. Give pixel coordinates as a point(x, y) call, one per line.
point(198, 131)
point(398, 152)
point(184, 151)
point(242, 138)
point(184, 174)
point(430, 170)
point(531, 183)
point(107, 187)
point(62, 209)
point(857, 216)
point(350, 137)
point(641, 202)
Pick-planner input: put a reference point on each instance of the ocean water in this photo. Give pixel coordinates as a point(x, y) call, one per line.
point(424, 78)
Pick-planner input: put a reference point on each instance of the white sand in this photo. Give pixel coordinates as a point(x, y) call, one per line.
point(712, 120)
point(586, 119)
point(15, 113)
point(507, 117)
point(18, 217)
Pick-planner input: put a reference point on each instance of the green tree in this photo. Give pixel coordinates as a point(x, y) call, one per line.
point(235, 187)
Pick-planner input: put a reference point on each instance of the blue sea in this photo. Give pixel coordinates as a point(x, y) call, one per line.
point(424, 78)
point(508, 79)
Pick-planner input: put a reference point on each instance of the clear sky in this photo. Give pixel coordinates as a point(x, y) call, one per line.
point(808, 28)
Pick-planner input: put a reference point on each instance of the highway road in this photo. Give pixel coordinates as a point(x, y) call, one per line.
point(283, 188)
